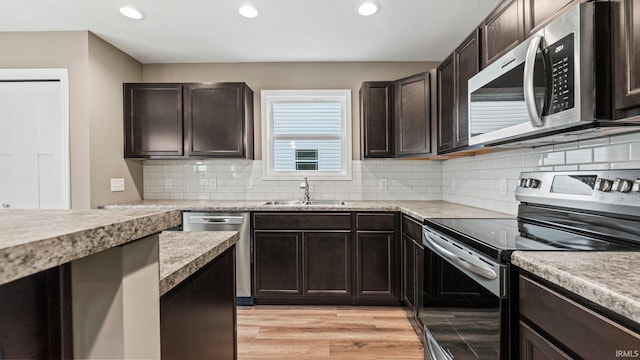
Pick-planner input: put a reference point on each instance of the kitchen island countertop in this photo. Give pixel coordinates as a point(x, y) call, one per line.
point(609, 279)
point(36, 240)
point(184, 253)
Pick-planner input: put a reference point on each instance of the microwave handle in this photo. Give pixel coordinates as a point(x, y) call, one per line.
point(529, 95)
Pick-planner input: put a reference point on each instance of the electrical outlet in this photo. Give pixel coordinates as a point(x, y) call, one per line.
point(383, 184)
point(213, 183)
point(168, 184)
point(117, 184)
point(249, 183)
point(503, 186)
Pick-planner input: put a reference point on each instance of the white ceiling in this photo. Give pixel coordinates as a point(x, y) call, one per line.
point(176, 31)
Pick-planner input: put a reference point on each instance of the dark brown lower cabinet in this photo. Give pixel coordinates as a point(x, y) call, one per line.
point(326, 258)
point(327, 263)
point(376, 265)
point(534, 346)
point(35, 316)
point(563, 321)
point(277, 263)
point(198, 317)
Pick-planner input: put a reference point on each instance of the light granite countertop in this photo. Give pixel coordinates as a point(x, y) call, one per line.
point(184, 253)
point(35, 240)
point(609, 279)
point(419, 210)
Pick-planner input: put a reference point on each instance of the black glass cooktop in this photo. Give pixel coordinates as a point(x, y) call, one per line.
point(499, 237)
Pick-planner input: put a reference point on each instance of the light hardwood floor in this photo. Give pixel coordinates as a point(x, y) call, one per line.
point(326, 332)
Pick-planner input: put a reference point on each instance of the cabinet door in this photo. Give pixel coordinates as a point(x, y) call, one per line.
point(413, 116)
point(153, 124)
point(327, 263)
point(467, 65)
point(375, 114)
point(277, 263)
point(502, 30)
point(408, 272)
point(376, 265)
point(535, 347)
point(626, 57)
point(538, 13)
point(447, 113)
point(215, 120)
point(198, 317)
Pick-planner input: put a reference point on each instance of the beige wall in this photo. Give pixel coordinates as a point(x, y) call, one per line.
point(307, 75)
point(96, 73)
point(60, 50)
point(108, 69)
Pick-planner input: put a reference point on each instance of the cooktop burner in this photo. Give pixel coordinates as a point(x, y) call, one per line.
point(500, 237)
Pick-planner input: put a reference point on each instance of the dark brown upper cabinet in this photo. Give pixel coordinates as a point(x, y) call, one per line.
point(447, 114)
point(413, 123)
point(502, 30)
point(376, 111)
point(453, 76)
point(219, 120)
point(538, 13)
point(396, 118)
point(626, 57)
point(188, 120)
point(153, 124)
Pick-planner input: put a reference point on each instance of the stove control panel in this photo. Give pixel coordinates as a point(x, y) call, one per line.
point(616, 191)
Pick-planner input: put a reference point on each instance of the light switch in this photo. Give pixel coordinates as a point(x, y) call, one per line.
point(117, 184)
point(383, 184)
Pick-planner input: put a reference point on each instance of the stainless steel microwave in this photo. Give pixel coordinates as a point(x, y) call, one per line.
point(542, 91)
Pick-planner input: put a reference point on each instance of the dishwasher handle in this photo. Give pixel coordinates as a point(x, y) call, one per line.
point(216, 219)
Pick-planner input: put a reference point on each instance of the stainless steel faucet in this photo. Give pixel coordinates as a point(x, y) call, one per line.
point(305, 186)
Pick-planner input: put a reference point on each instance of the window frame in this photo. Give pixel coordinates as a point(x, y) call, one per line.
point(269, 97)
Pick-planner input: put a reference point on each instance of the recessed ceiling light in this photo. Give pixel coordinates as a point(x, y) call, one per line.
point(131, 13)
point(369, 8)
point(249, 11)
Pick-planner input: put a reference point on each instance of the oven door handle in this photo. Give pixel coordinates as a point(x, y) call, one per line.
point(479, 270)
point(529, 91)
point(434, 349)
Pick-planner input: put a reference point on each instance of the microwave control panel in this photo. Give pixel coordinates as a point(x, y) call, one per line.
point(562, 60)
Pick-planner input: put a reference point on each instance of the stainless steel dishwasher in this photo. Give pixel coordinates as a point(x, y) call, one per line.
point(213, 221)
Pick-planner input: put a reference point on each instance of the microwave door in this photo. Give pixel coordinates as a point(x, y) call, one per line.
point(498, 107)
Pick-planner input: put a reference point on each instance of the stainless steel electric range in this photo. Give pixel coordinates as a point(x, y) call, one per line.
point(558, 211)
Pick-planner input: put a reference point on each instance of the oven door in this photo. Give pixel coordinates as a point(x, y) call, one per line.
point(464, 314)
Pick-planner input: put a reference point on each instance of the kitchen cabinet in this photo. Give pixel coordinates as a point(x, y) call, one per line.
point(153, 123)
point(325, 258)
point(453, 77)
point(413, 122)
point(198, 316)
point(396, 117)
point(538, 13)
point(36, 316)
point(502, 30)
point(626, 57)
point(376, 112)
point(568, 323)
point(188, 120)
point(413, 263)
point(376, 252)
point(447, 114)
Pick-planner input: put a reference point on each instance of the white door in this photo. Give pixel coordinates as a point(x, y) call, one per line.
point(34, 170)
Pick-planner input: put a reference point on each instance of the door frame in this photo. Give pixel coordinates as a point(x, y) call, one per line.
point(62, 76)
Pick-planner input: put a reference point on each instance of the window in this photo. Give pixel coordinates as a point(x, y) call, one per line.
point(306, 133)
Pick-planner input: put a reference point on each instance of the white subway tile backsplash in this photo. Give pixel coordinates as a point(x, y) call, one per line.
point(579, 156)
point(613, 153)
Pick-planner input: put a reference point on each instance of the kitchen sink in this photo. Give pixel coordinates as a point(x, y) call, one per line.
point(299, 203)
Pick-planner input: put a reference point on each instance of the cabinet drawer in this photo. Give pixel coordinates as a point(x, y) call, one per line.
point(587, 333)
point(302, 221)
point(412, 229)
point(376, 222)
